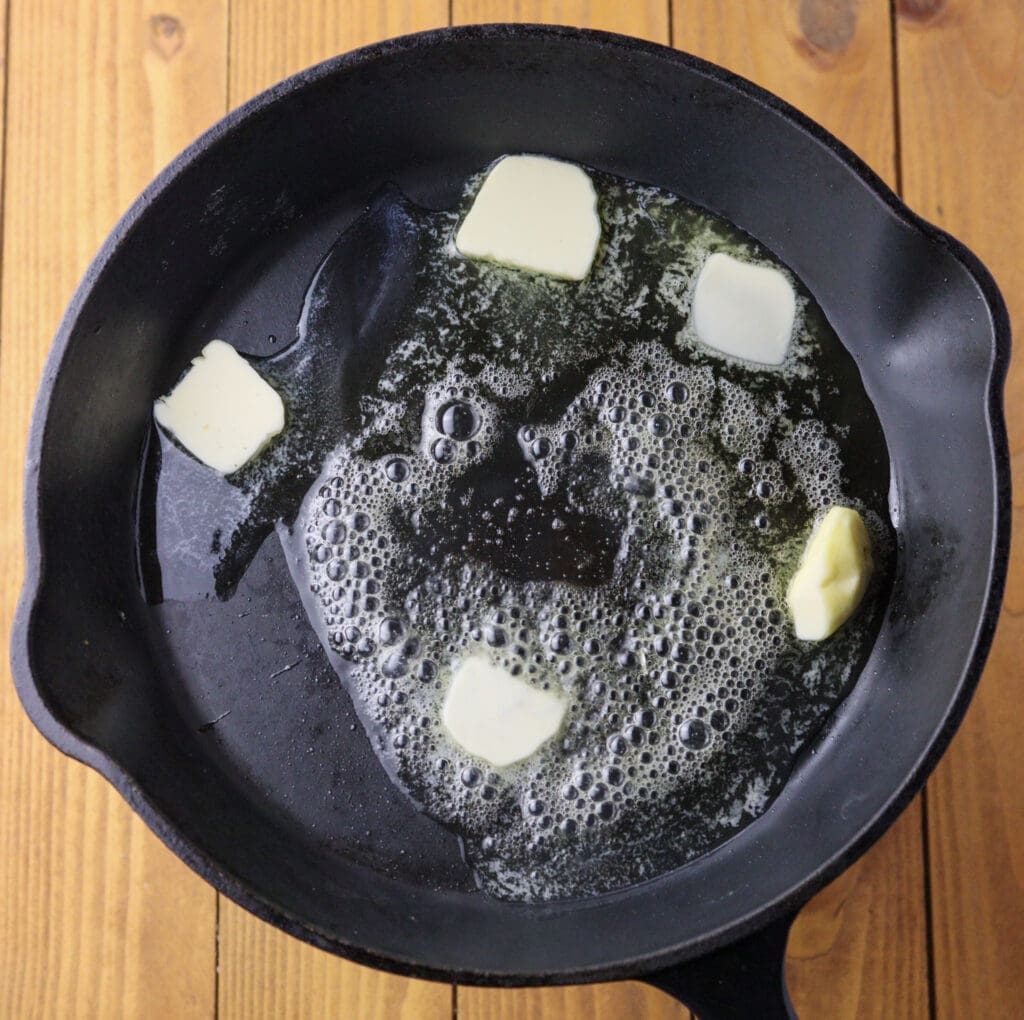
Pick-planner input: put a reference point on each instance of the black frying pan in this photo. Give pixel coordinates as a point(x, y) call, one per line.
point(279, 804)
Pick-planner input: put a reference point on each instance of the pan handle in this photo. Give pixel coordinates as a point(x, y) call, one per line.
point(737, 982)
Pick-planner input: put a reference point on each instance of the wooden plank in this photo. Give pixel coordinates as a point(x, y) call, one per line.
point(859, 949)
point(267, 975)
point(264, 973)
point(98, 918)
point(3, 86)
point(576, 1002)
point(832, 59)
point(961, 86)
point(270, 41)
point(648, 20)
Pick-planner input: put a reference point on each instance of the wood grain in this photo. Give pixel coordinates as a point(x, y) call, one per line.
point(859, 949)
point(647, 19)
point(98, 919)
point(263, 972)
point(271, 40)
point(267, 975)
point(617, 1001)
point(3, 86)
point(610, 1001)
point(961, 80)
point(831, 59)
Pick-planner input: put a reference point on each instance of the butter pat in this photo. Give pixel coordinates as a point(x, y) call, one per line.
point(496, 716)
point(832, 576)
point(222, 411)
point(743, 310)
point(536, 214)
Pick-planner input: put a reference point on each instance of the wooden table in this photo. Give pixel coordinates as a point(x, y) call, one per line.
point(97, 919)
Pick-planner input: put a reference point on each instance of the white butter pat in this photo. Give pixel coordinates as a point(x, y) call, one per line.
point(496, 716)
point(743, 310)
point(534, 213)
point(223, 412)
point(832, 576)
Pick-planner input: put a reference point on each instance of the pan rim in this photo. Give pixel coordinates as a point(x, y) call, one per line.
point(75, 746)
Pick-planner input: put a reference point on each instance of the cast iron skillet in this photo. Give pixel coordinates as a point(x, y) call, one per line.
point(279, 804)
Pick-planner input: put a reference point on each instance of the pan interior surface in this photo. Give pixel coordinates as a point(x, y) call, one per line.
point(616, 520)
point(242, 787)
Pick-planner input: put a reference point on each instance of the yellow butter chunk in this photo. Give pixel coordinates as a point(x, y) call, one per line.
point(496, 716)
point(744, 310)
point(534, 213)
point(222, 411)
point(833, 575)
